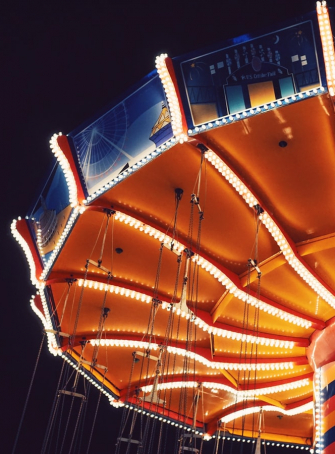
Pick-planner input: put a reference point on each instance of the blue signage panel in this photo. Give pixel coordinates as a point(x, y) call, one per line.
point(123, 135)
point(249, 74)
point(51, 212)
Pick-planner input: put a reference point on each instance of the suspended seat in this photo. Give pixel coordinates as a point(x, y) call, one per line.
point(191, 436)
point(60, 333)
point(70, 393)
point(93, 364)
point(98, 265)
point(129, 440)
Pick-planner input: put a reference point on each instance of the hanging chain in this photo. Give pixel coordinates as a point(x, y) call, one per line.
point(178, 196)
point(69, 282)
point(76, 425)
point(108, 214)
point(102, 320)
point(95, 415)
point(79, 306)
point(52, 414)
point(28, 394)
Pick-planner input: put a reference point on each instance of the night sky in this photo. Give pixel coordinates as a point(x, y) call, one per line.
point(61, 62)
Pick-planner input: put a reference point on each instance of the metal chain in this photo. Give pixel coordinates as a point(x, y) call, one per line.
point(104, 239)
point(76, 425)
point(50, 422)
point(79, 305)
point(95, 415)
point(28, 394)
point(102, 320)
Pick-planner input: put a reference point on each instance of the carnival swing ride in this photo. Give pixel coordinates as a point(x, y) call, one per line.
point(182, 251)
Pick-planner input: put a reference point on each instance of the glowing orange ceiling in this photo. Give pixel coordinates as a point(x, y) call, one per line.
point(295, 185)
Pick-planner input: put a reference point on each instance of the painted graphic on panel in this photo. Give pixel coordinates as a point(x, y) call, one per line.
point(123, 135)
point(51, 212)
point(252, 73)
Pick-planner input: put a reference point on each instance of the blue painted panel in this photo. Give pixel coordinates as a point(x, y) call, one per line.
point(121, 136)
point(286, 87)
point(290, 57)
point(235, 98)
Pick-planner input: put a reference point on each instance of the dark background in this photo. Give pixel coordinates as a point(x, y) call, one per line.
point(60, 63)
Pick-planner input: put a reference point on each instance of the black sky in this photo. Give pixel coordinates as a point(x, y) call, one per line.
point(60, 62)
